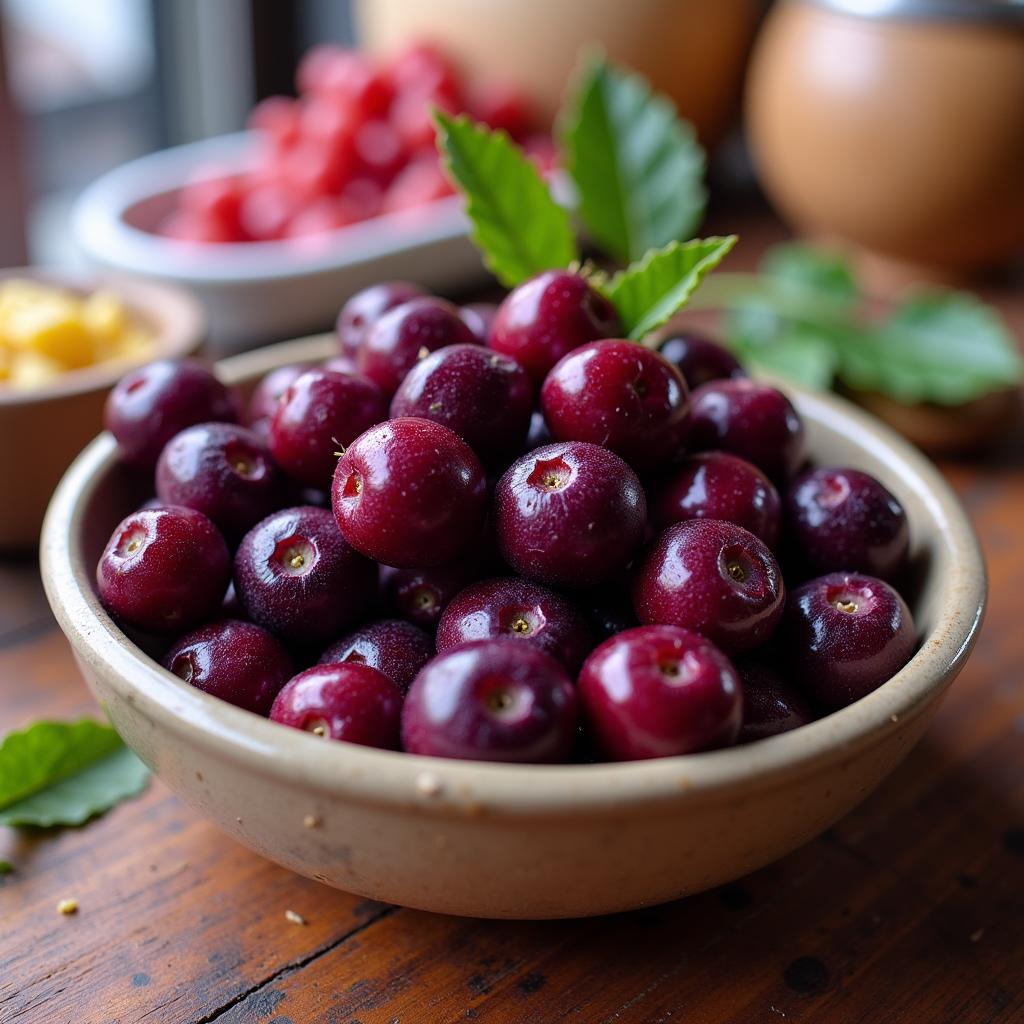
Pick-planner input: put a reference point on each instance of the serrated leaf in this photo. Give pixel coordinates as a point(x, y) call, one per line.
point(941, 347)
point(798, 355)
point(806, 267)
point(647, 293)
point(59, 773)
point(637, 166)
point(515, 223)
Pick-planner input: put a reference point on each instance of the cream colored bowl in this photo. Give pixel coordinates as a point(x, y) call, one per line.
point(520, 841)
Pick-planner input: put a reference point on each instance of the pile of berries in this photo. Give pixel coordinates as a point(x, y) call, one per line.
point(358, 141)
point(503, 534)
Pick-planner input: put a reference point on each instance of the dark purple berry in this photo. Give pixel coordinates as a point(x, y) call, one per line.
point(405, 335)
point(658, 691)
point(296, 576)
point(845, 519)
point(491, 700)
point(547, 317)
point(846, 634)
point(478, 317)
point(148, 406)
point(366, 307)
point(164, 570)
point(700, 360)
point(620, 395)
point(317, 416)
point(347, 701)
point(421, 595)
point(570, 514)
point(410, 493)
point(267, 393)
point(716, 485)
point(392, 646)
point(714, 578)
point(235, 661)
point(770, 704)
point(222, 470)
point(752, 420)
point(518, 610)
point(485, 397)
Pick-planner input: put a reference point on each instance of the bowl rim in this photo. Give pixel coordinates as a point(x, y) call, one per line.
point(438, 786)
point(177, 318)
point(100, 230)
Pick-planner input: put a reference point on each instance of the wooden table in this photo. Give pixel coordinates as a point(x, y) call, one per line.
point(911, 909)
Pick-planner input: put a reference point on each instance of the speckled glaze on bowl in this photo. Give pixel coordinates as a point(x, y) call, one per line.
point(502, 841)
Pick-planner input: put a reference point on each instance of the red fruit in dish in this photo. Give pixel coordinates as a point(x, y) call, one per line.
point(491, 700)
point(267, 209)
point(392, 646)
point(222, 470)
point(570, 514)
point(366, 307)
point(501, 108)
point(420, 182)
point(409, 493)
point(267, 393)
point(619, 395)
point(319, 218)
point(716, 485)
point(842, 518)
point(296, 576)
point(319, 414)
point(235, 661)
point(379, 150)
point(164, 570)
point(548, 316)
point(403, 335)
point(516, 609)
point(658, 691)
point(846, 634)
point(752, 420)
point(215, 198)
point(412, 118)
point(770, 704)
point(485, 397)
point(349, 702)
point(422, 69)
point(421, 595)
point(148, 406)
point(348, 78)
point(276, 117)
point(700, 360)
point(714, 578)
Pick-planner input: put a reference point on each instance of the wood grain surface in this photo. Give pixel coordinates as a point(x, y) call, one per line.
point(911, 909)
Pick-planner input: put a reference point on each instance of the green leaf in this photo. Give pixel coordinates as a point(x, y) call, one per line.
point(637, 165)
point(59, 773)
point(515, 223)
point(941, 347)
point(649, 292)
point(6, 867)
point(797, 354)
point(807, 268)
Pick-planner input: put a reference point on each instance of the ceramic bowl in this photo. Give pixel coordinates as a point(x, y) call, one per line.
point(43, 429)
point(516, 841)
point(255, 292)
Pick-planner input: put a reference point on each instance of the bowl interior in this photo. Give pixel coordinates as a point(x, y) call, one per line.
point(945, 589)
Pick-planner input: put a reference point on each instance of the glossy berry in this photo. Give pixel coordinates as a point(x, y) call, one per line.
point(620, 395)
point(235, 661)
point(421, 595)
point(397, 648)
point(771, 705)
point(409, 493)
point(267, 393)
point(296, 576)
point(403, 335)
point(845, 519)
point(714, 578)
point(658, 691)
point(569, 514)
point(320, 413)
point(491, 700)
point(347, 701)
point(513, 608)
point(538, 435)
point(716, 485)
point(222, 470)
point(752, 420)
point(164, 570)
point(485, 397)
point(700, 360)
point(148, 406)
point(366, 307)
point(478, 317)
point(845, 634)
point(548, 316)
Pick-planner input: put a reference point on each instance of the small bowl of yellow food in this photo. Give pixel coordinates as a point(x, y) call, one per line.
point(65, 340)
